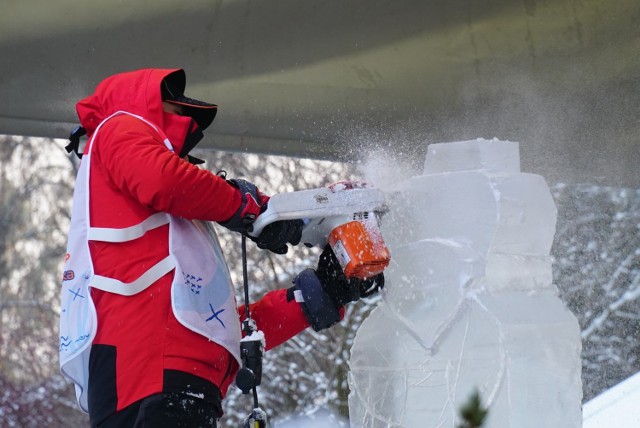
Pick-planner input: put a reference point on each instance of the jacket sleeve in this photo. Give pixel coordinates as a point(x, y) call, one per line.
point(139, 164)
point(280, 317)
point(277, 318)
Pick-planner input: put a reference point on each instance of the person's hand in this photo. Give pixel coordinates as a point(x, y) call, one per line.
point(277, 235)
point(341, 289)
point(323, 292)
point(253, 203)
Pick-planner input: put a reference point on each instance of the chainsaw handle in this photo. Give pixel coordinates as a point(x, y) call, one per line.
point(270, 215)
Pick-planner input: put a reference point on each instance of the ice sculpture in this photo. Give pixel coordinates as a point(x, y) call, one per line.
point(469, 302)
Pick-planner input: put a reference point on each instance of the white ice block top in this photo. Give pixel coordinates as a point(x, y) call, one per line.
point(491, 156)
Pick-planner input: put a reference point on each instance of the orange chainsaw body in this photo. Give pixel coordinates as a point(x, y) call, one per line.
point(360, 249)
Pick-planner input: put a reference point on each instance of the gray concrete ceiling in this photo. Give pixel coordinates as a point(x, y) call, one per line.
point(336, 79)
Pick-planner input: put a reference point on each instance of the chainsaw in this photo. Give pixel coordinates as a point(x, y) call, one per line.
point(344, 216)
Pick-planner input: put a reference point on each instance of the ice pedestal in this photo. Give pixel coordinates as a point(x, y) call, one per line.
point(469, 302)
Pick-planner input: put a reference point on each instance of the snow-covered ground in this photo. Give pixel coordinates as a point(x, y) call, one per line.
point(616, 407)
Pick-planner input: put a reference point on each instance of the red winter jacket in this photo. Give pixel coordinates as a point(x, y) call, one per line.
point(134, 175)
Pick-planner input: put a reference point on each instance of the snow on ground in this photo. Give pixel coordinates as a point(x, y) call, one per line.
point(616, 407)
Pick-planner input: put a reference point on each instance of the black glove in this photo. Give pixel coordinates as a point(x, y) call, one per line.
point(252, 204)
point(338, 287)
point(321, 293)
point(277, 235)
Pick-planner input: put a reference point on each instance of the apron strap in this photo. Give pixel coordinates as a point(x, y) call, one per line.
point(111, 285)
point(106, 234)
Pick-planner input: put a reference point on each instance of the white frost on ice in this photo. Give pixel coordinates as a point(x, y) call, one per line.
point(469, 302)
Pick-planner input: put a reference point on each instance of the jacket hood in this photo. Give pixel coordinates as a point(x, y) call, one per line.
point(139, 92)
point(136, 92)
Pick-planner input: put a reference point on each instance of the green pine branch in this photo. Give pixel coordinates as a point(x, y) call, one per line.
point(473, 413)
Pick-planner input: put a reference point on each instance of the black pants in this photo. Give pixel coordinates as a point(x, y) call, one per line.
point(185, 401)
point(165, 410)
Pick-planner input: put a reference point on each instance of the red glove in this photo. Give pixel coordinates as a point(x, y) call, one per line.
point(252, 204)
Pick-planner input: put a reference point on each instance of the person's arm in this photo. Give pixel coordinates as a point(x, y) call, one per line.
point(316, 299)
point(139, 164)
point(276, 317)
point(322, 293)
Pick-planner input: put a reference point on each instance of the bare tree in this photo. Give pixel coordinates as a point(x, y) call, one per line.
point(597, 268)
point(35, 196)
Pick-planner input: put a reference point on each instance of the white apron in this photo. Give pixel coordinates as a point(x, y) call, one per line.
point(202, 295)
